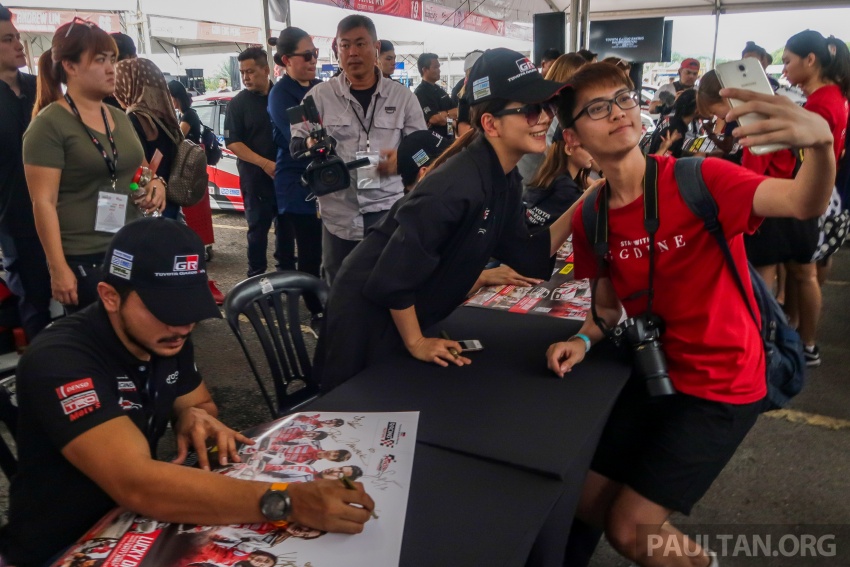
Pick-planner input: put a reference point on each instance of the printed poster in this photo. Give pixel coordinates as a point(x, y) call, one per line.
point(561, 296)
point(373, 448)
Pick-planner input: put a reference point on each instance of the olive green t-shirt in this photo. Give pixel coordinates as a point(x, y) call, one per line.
point(57, 139)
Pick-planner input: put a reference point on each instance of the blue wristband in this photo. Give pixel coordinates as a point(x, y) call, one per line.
point(586, 340)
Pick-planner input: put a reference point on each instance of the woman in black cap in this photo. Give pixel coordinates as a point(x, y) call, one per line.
point(416, 266)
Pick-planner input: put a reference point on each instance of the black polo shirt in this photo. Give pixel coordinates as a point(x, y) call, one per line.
point(76, 375)
point(248, 122)
point(16, 218)
point(433, 100)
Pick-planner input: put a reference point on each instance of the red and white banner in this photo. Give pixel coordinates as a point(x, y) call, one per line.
point(48, 21)
point(410, 9)
point(438, 14)
point(473, 21)
point(224, 32)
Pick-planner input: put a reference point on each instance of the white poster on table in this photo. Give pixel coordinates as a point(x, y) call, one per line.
point(373, 448)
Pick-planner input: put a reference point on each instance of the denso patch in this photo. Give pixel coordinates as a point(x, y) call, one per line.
point(74, 387)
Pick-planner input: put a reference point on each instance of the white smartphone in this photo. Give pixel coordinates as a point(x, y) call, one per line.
point(470, 346)
point(747, 74)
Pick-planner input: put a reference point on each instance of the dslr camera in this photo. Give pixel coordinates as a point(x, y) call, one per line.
point(327, 172)
point(642, 334)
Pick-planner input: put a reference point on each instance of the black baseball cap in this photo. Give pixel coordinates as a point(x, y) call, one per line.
point(508, 75)
point(417, 150)
point(163, 261)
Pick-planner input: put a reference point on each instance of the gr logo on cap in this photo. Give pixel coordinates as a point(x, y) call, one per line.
point(163, 261)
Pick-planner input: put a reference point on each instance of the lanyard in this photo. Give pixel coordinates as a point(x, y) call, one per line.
point(371, 120)
point(111, 164)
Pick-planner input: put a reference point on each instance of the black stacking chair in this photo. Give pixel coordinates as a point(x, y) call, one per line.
point(9, 416)
point(271, 303)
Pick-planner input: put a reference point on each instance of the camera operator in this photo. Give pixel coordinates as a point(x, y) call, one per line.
point(661, 453)
point(662, 102)
point(367, 114)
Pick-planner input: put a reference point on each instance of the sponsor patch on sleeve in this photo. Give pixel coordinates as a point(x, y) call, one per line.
point(78, 398)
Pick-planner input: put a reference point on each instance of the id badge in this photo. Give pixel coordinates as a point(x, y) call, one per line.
point(111, 211)
point(368, 176)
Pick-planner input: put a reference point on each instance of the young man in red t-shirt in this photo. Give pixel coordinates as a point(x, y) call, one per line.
point(660, 455)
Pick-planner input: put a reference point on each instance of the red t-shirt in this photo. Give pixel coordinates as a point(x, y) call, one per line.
point(779, 164)
point(713, 348)
point(831, 104)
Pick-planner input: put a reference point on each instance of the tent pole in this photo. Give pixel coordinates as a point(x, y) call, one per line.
point(716, 31)
point(267, 33)
point(573, 26)
point(585, 23)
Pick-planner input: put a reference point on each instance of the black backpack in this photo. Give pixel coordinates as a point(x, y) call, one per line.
point(209, 141)
point(783, 349)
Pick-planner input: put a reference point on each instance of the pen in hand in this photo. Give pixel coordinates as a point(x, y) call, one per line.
point(350, 486)
point(453, 351)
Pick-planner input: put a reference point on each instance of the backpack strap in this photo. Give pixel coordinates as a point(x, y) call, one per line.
point(700, 201)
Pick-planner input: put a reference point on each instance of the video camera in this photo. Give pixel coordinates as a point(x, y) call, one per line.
point(326, 173)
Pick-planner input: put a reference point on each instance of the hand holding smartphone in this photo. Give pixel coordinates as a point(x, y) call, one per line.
point(747, 74)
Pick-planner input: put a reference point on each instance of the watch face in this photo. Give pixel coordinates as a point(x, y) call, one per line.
point(275, 505)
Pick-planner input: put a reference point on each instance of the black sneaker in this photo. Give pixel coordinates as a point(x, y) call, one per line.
point(812, 356)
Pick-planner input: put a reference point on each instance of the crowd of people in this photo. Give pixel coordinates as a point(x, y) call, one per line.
point(480, 186)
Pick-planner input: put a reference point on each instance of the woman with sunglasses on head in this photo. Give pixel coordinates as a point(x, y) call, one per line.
point(660, 454)
point(296, 52)
point(80, 157)
point(417, 265)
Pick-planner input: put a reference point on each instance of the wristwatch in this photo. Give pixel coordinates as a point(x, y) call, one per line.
point(275, 504)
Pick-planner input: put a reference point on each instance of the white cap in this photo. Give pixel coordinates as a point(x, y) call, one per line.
point(471, 59)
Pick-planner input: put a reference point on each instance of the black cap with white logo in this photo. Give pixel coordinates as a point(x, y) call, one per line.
point(163, 261)
point(508, 75)
point(416, 150)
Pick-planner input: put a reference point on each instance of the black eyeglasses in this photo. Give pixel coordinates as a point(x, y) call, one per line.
point(308, 55)
point(599, 109)
point(532, 112)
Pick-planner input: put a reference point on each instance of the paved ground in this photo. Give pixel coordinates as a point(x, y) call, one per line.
point(792, 469)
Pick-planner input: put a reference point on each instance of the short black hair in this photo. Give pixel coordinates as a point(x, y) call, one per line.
point(126, 47)
point(424, 61)
point(225, 79)
point(587, 54)
point(386, 45)
point(5, 14)
point(258, 54)
point(355, 21)
point(320, 435)
point(550, 54)
point(179, 92)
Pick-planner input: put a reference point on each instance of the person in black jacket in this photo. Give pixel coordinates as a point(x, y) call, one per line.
point(23, 255)
point(559, 182)
point(417, 265)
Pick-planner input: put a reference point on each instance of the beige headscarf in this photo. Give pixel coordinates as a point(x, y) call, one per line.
point(140, 88)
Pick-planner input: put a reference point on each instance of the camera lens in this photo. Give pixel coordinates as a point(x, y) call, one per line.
point(741, 67)
point(329, 176)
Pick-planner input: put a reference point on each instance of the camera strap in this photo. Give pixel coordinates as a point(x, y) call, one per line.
point(597, 233)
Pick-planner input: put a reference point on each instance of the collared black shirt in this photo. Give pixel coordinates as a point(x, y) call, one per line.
point(76, 375)
point(16, 217)
point(433, 100)
point(248, 122)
